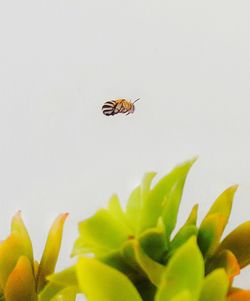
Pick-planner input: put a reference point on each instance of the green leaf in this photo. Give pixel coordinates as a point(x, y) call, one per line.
point(115, 209)
point(183, 296)
point(167, 192)
point(152, 269)
point(210, 233)
point(188, 230)
point(215, 286)
point(66, 277)
point(18, 226)
point(101, 234)
point(66, 294)
point(49, 291)
point(192, 218)
point(184, 272)
point(20, 285)
point(223, 204)
point(154, 244)
point(137, 200)
point(146, 289)
point(51, 251)
point(214, 223)
point(133, 208)
point(101, 282)
point(117, 261)
point(182, 236)
point(238, 242)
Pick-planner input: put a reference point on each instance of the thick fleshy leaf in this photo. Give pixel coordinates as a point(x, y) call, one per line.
point(20, 285)
point(184, 272)
point(238, 242)
point(115, 209)
point(223, 204)
point(51, 251)
point(66, 277)
point(239, 295)
point(210, 233)
point(181, 237)
point(133, 208)
point(192, 218)
point(117, 261)
point(188, 230)
point(152, 269)
point(153, 242)
point(215, 221)
point(102, 233)
point(167, 192)
point(146, 289)
point(137, 200)
point(226, 260)
point(66, 294)
point(101, 282)
point(49, 291)
point(183, 296)
point(18, 226)
point(215, 286)
point(11, 250)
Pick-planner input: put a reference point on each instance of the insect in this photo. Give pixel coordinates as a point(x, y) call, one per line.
point(113, 107)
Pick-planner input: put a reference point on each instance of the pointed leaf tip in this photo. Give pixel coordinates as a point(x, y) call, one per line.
point(51, 251)
point(164, 199)
point(18, 226)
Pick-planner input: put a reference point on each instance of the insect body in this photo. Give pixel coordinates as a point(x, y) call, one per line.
point(113, 107)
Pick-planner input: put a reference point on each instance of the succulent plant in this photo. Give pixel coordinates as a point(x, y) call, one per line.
point(133, 255)
point(21, 277)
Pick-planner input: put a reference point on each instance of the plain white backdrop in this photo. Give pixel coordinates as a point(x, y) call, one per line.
point(188, 61)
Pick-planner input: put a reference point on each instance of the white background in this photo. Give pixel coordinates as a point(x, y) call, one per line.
point(189, 61)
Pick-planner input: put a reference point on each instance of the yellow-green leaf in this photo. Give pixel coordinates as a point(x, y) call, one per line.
point(183, 296)
point(66, 277)
point(133, 208)
point(223, 204)
point(11, 250)
point(152, 269)
point(153, 242)
point(210, 233)
point(115, 209)
point(137, 200)
point(49, 291)
point(51, 251)
point(184, 272)
point(117, 261)
point(168, 191)
point(192, 218)
point(101, 282)
point(238, 242)
point(66, 294)
point(20, 285)
point(18, 226)
point(214, 223)
point(103, 232)
point(215, 286)
point(182, 236)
